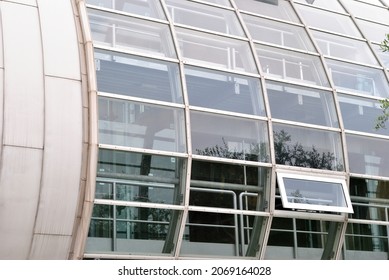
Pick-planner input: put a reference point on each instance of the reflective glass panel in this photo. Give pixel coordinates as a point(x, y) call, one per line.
point(279, 33)
point(366, 241)
point(369, 12)
point(224, 91)
point(136, 76)
point(369, 198)
point(136, 230)
point(383, 56)
point(217, 51)
point(219, 2)
point(375, 2)
point(210, 234)
point(229, 137)
point(332, 5)
point(307, 147)
point(358, 79)
point(314, 193)
point(368, 155)
point(148, 8)
point(130, 176)
point(373, 31)
point(328, 20)
point(131, 33)
point(360, 114)
point(204, 16)
point(221, 185)
point(139, 125)
point(344, 48)
point(272, 8)
point(301, 104)
point(293, 66)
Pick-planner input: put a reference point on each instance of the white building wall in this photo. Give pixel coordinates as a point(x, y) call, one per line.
point(43, 129)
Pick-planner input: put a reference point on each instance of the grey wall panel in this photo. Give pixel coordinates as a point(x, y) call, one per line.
point(60, 42)
point(23, 110)
point(20, 183)
point(62, 157)
point(50, 247)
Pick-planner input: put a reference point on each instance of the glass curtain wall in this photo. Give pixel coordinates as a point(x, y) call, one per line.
point(204, 104)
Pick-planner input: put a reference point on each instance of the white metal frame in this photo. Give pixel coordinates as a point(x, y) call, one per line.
point(314, 207)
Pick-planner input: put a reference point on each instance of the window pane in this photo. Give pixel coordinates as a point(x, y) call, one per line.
point(204, 16)
point(301, 104)
point(130, 33)
point(137, 230)
point(224, 91)
point(306, 147)
point(314, 193)
point(369, 12)
point(373, 31)
point(383, 56)
point(368, 155)
point(222, 185)
point(138, 77)
point(274, 8)
point(332, 5)
point(369, 198)
point(229, 137)
point(210, 234)
point(370, 241)
point(131, 124)
point(360, 114)
point(292, 66)
point(215, 50)
point(279, 33)
point(219, 2)
point(358, 79)
point(328, 21)
point(344, 48)
point(130, 176)
point(148, 8)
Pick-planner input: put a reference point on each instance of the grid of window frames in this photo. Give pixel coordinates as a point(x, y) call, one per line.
point(215, 116)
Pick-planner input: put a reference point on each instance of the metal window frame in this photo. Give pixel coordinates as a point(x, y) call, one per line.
point(314, 207)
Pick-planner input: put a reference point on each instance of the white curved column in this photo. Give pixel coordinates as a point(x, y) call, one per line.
point(44, 129)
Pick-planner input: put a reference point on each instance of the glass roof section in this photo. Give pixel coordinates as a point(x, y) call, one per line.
point(224, 91)
point(327, 20)
point(372, 31)
point(218, 2)
point(215, 51)
point(278, 9)
point(293, 66)
point(370, 12)
point(114, 30)
point(301, 104)
point(279, 33)
point(204, 16)
point(344, 48)
point(360, 114)
point(358, 79)
point(147, 8)
point(136, 76)
point(332, 5)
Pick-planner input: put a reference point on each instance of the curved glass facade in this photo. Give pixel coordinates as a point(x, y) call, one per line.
point(240, 129)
